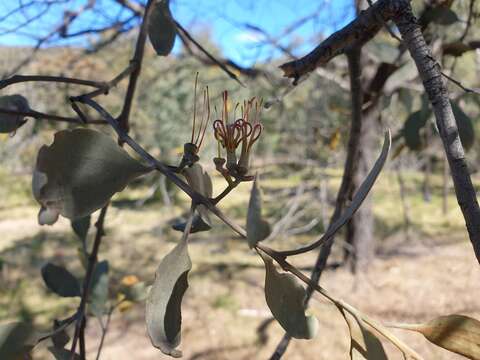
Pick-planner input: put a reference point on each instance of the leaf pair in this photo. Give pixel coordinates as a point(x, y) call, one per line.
point(163, 305)
point(79, 173)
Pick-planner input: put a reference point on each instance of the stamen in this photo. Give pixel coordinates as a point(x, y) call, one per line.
point(257, 131)
point(225, 106)
point(206, 100)
point(194, 106)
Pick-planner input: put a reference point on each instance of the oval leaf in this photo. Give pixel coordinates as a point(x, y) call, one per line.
point(60, 338)
point(81, 226)
point(198, 225)
point(364, 345)
point(60, 280)
point(285, 297)
point(161, 27)
point(63, 354)
point(457, 333)
point(79, 173)
point(16, 340)
point(442, 15)
point(411, 130)
point(258, 229)
point(465, 127)
point(10, 123)
point(201, 182)
point(163, 305)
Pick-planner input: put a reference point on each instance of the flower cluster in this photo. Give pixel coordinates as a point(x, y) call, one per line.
point(243, 132)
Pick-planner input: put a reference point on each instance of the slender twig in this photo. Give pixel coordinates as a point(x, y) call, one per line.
point(104, 330)
point(471, 12)
point(81, 338)
point(42, 116)
point(136, 63)
point(385, 25)
point(64, 324)
point(46, 78)
point(459, 84)
point(225, 192)
point(112, 83)
point(92, 260)
point(210, 56)
point(456, 82)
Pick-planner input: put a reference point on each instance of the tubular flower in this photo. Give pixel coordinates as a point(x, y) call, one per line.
point(190, 149)
point(243, 131)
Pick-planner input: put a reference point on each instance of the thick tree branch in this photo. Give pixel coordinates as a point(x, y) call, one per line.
point(355, 34)
point(438, 95)
point(136, 62)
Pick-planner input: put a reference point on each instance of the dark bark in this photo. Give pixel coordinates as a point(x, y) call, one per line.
point(360, 229)
point(359, 235)
point(438, 95)
point(345, 186)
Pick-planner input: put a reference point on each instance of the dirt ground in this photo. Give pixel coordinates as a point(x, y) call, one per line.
point(435, 273)
point(407, 288)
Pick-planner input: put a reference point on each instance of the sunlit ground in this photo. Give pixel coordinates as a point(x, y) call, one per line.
point(433, 273)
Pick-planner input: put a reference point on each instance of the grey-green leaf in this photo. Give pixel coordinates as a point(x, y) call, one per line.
point(81, 226)
point(163, 305)
point(457, 333)
point(99, 292)
point(285, 297)
point(62, 354)
point(442, 15)
point(161, 27)
point(465, 127)
point(60, 338)
point(198, 225)
point(79, 173)
point(16, 340)
point(258, 229)
point(201, 182)
point(9, 122)
point(60, 280)
point(411, 130)
point(364, 345)
point(136, 292)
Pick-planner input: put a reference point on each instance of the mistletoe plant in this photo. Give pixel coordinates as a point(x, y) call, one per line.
point(82, 169)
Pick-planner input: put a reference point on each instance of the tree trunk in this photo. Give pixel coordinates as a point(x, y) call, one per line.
point(359, 235)
point(360, 228)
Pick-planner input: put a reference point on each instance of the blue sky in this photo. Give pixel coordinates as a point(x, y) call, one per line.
point(230, 23)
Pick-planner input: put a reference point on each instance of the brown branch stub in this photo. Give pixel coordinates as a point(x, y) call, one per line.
point(355, 34)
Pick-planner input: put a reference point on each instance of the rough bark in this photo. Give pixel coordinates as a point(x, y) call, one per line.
point(438, 95)
point(360, 229)
point(359, 235)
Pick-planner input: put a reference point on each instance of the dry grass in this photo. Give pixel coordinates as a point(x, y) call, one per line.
point(433, 274)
